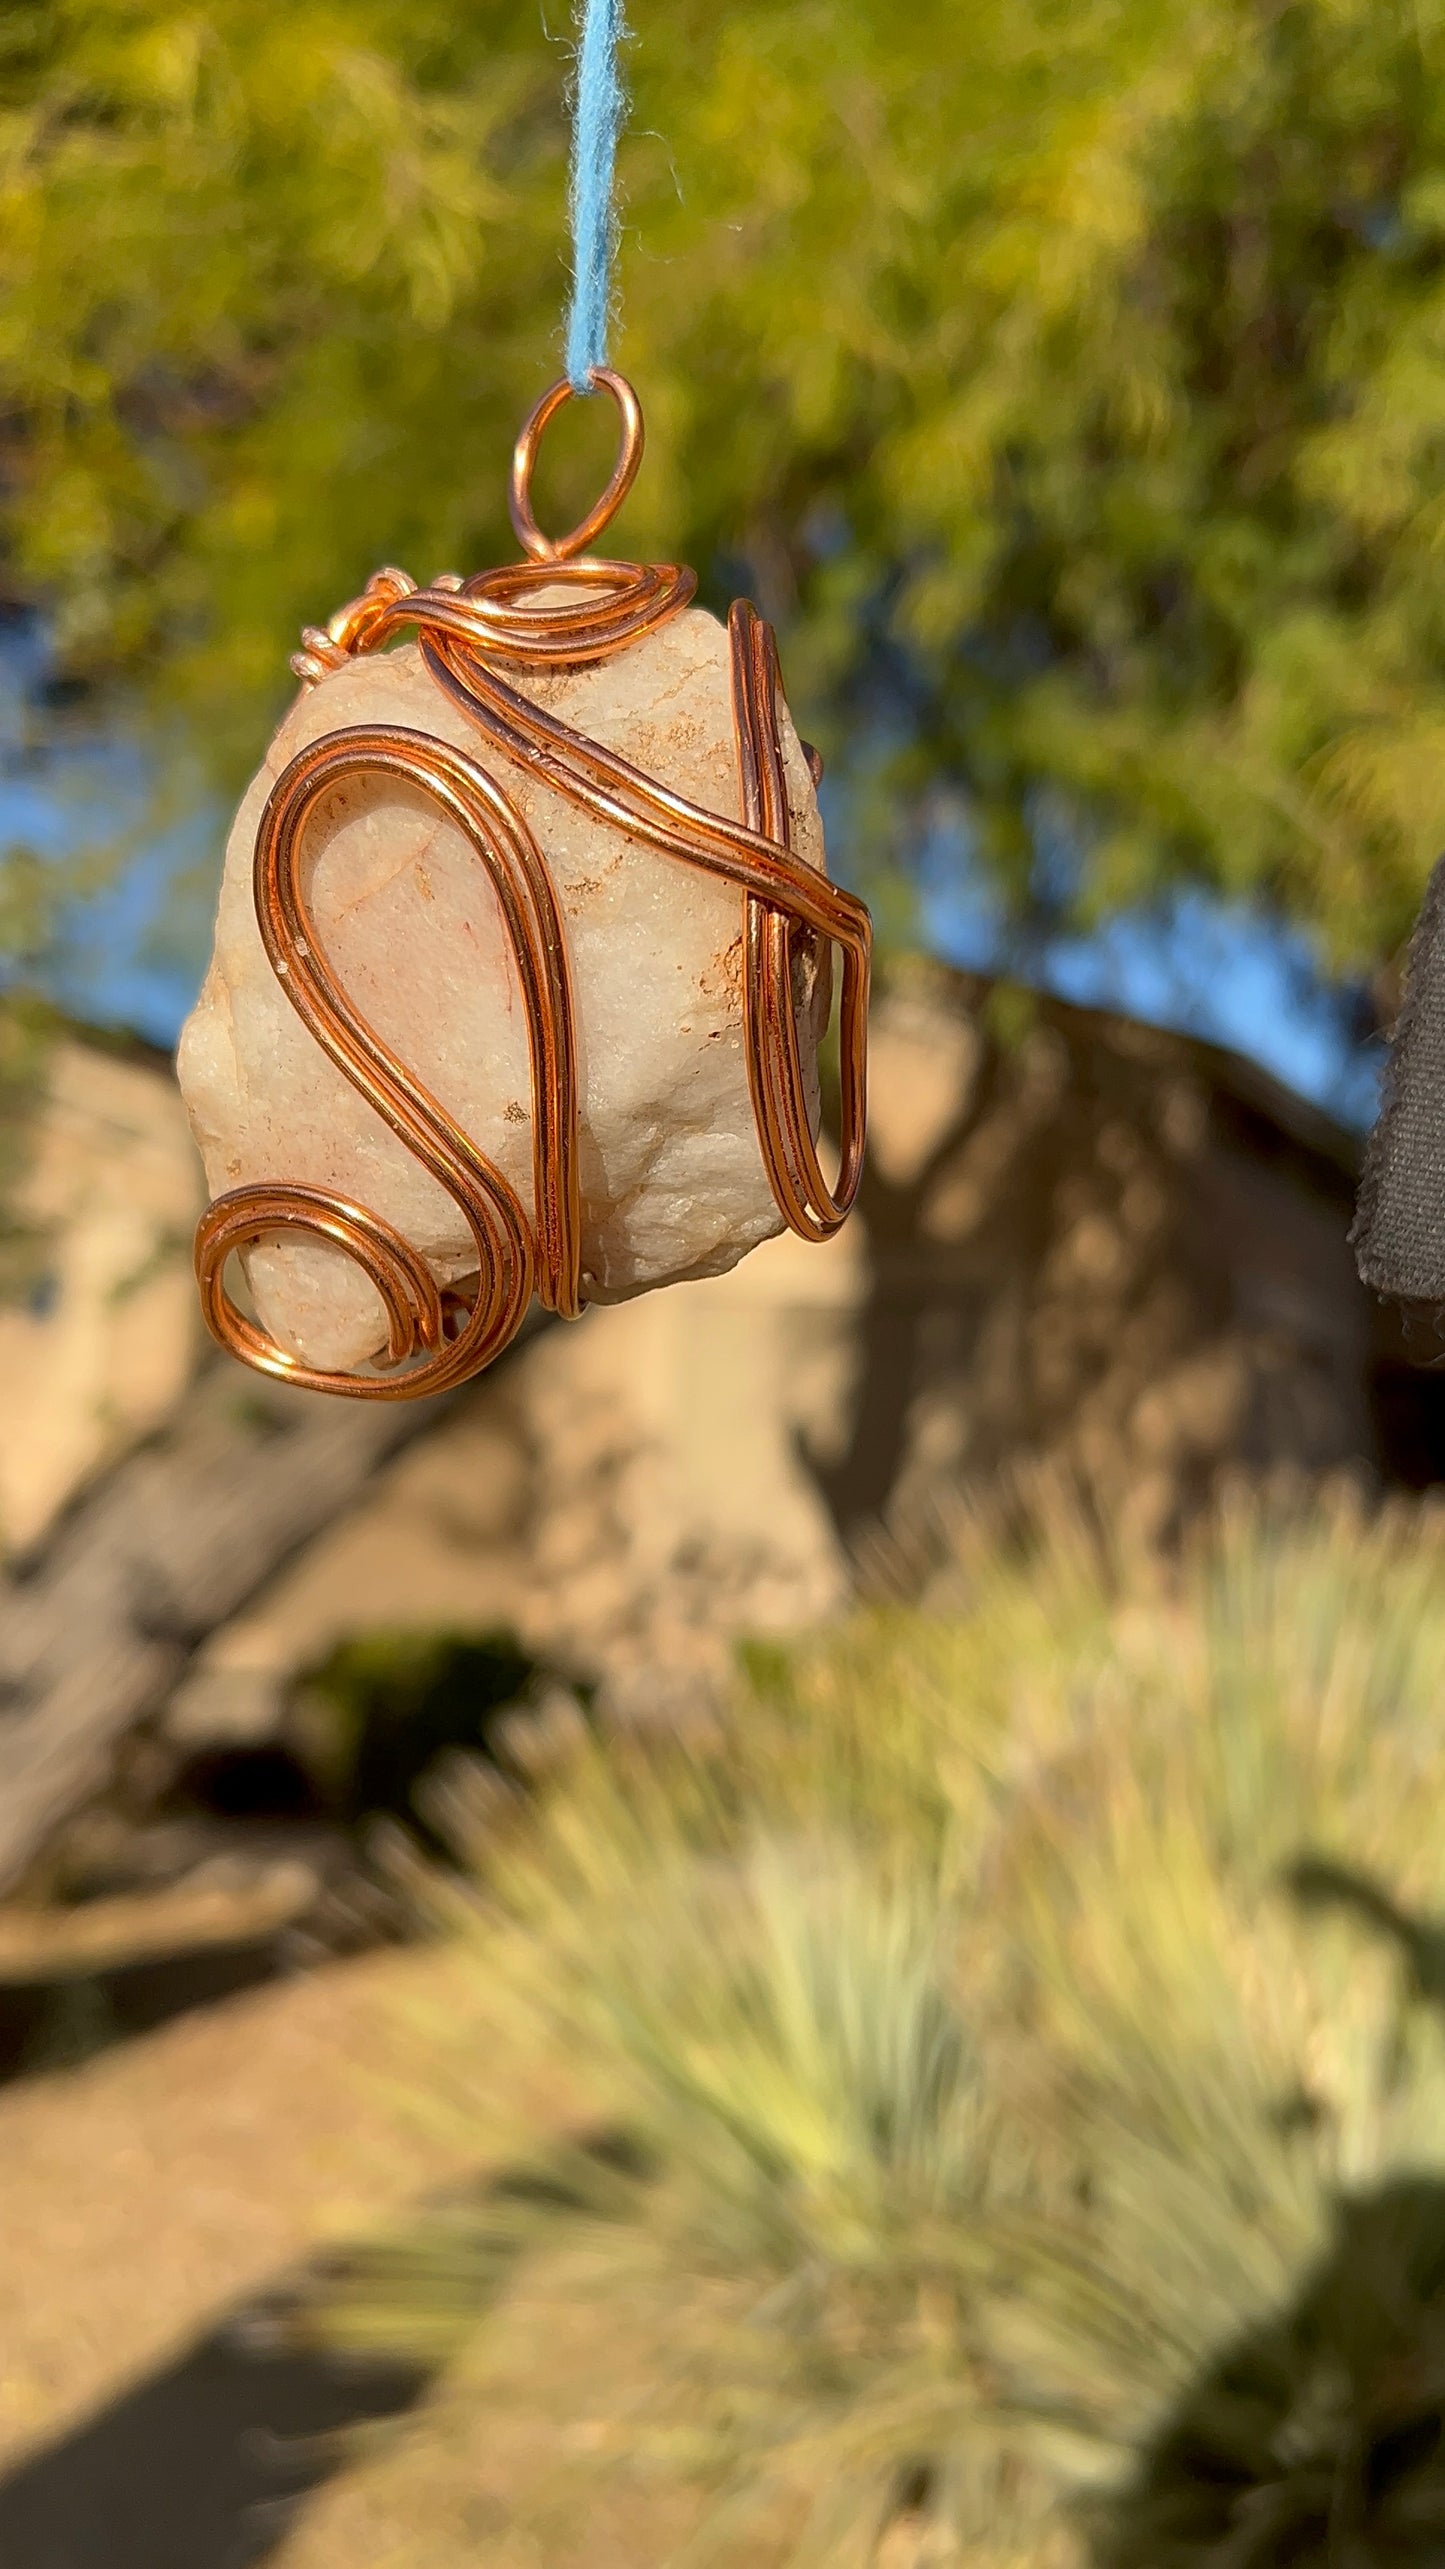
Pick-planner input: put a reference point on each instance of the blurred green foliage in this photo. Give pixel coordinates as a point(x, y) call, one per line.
point(383, 1703)
point(1066, 375)
point(1008, 2050)
point(25, 1033)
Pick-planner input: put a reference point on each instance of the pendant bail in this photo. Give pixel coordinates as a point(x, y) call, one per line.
point(563, 548)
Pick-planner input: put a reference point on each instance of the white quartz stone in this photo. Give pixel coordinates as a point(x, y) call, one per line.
point(672, 1178)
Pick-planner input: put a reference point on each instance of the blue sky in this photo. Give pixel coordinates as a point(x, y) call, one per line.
point(1201, 965)
point(131, 952)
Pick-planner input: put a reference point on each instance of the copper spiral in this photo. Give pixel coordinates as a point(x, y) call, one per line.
point(471, 632)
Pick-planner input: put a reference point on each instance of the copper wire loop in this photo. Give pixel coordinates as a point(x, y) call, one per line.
point(471, 633)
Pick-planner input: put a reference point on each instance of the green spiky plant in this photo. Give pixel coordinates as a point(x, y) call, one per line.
point(1008, 2049)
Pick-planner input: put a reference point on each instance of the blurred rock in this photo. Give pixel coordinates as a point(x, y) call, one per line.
point(102, 1347)
point(1122, 1253)
point(1081, 1244)
point(252, 1901)
point(100, 1631)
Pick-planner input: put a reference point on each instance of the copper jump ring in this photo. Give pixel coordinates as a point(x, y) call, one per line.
point(552, 611)
point(545, 548)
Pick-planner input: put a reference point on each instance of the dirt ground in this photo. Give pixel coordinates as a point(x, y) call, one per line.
point(158, 2202)
point(168, 2187)
point(501, 2467)
point(174, 2177)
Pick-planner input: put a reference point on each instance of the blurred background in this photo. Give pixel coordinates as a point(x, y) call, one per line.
point(808, 1924)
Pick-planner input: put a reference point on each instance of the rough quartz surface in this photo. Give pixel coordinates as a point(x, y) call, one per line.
point(672, 1179)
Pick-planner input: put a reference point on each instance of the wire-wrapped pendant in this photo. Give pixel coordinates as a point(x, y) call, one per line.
point(522, 962)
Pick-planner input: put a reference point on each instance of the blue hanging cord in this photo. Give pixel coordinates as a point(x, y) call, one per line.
point(598, 105)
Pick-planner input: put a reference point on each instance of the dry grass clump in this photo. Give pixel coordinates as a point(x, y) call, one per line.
point(1010, 2067)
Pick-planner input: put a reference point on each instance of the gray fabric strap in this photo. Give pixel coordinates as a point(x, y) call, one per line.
point(1399, 1228)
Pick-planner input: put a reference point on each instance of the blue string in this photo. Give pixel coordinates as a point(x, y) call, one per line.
point(598, 105)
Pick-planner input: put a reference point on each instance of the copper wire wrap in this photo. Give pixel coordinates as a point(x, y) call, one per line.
point(472, 633)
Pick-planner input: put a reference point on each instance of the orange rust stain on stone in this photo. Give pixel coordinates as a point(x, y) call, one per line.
point(723, 977)
point(578, 889)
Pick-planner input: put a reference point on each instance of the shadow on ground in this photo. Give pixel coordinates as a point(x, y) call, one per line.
point(1319, 2437)
point(55, 2024)
point(203, 2466)
point(208, 2464)
point(1317, 2440)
